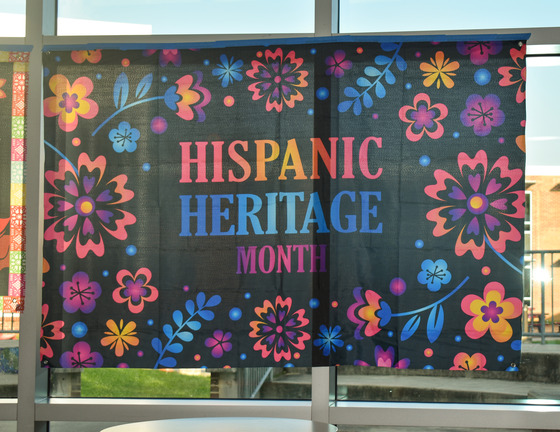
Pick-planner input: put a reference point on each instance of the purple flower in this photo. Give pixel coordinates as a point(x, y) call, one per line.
point(479, 51)
point(482, 113)
point(81, 357)
point(80, 293)
point(385, 359)
point(336, 64)
point(219, 343)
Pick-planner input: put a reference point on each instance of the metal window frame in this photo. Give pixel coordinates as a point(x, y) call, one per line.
point(33, 410)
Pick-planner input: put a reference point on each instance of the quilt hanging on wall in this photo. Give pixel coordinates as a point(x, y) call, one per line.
point(294, 203)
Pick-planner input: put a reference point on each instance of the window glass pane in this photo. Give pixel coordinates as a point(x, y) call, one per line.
point(411, 15)
point(12, 17)
point(144, 17)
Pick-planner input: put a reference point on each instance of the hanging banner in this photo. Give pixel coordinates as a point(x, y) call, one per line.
point(315, 202)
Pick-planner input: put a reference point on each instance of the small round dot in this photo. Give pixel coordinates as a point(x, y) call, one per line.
point(163, 79)
point(418, 54)
point(227, 367)
point(429, 367)
point(186, 288)
point(297, 356)
point(150, 322)
point(206, 62)
point(349, 347)
point(76, 141)
point(259, 54)
point(397, 286)
point(79, 329)
point(516, 345)
point(313, 51)
point(390, 333)
point(46, 71)
point(375, 116)
point(146, 167)
point(105, 273)
point(501, 140)
point(486, 270)
point(500, 358)
point(425, 160)
point(310, 111)
point(158, 125)
point(408, 86)
point(122, 365)
point(360, 50)
point(243, 356)
point(125, 62)
point(131, 250)
point(428, 352)
point(419, 244)
point(458, 338)
point(98, 76)
point(197, 357)
point(523, 123)
point(247, 296)
point(229, 101)
point(322, 93)
point(314, 303)
point(235, 314)
point(456, 135)
point(512, 368)
point(289, 365)
point(334, 304)
point(57, 58)
point(140, 353)
point(482, 77)
point(63, 267)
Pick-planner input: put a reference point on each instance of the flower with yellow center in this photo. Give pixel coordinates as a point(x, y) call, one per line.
point(439, 70)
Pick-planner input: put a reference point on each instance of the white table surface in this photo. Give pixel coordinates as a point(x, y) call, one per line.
point(225, 424)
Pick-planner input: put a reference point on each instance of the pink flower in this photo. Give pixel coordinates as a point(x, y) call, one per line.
point(49, 331)
point(385, 359)
point(479, 51)
point(188, 97)
point(515, 75)
point(81, 356)
point(219, 342)
point(369, 311)
point(80, 293)
point(463, 361)
point(423, 117)
point(135, 289)
point(337, 65)
point(92, 56)
point(482, 113)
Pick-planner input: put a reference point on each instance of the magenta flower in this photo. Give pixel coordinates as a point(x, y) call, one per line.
point(482, 114)
point(385, 359)
point(80, 293)
point(423, 117)
point(135, 289)
point(49, 331)
point(166, 56)
point(81, 357)
point(479, 51)
point(337, 65)
point(219, 342)
point(188, 97)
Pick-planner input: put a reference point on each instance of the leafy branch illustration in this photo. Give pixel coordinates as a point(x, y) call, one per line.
point(184, 330)
point(435, 318)
point(363, 96)
point(120, 96)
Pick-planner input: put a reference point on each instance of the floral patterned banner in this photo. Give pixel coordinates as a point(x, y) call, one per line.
point(300, 203)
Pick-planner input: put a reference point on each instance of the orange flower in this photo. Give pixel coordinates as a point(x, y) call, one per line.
point(463, 361)
point(120, 337)
point(439, 71)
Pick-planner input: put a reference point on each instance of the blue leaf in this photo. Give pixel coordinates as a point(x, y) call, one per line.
point(200, 300)
point(363, 82)
point(368, 101)
point(185, 336)
point(435, 323)
point(351, 92)
point(157, 345)
point(206, 315)
point(344, 106)
point(144, 85)
point(357, 107)
point(214, 300)
point(120, 91)
point(372, 72)
point(380, 91)
point(168, 362)
point(168, 331)
point(410, 327)
point(178, 318)
point(189, 306)
point(382, 60)
point(390, 77)
point(389, 46)
point(175, 348)
point(401, 63)
point(194, 325)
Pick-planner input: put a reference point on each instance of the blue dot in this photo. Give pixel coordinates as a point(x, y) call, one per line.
point(430, 367)
point(322, 93)
point(313, 51)
point(408, 86)
point(164, 79)
point(516, 345)
point(290, 365)
point(419, 244)
point(458, 339)
point(314, 303)
point(79, 329)
point(500, 358)
point(146, 167)
point(247, 296)
point(150, 322)
point(235, 314)
point(310, 111)
point(105, 273)
point(98, 76)
point(349, 347)
point(390, 333)
point(482, 77)
point(243, 356)
point(455, 135)
point(512, 369)
point(57, 58)
point(46, 71)
point(206, 62)
point(425, 160)
point(131, 250)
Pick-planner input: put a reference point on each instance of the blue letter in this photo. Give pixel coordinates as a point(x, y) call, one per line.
point(366, 211)
point(315, 206)
point(335, 213)
point(244, 214)
point(217, 214)
point(186, 214)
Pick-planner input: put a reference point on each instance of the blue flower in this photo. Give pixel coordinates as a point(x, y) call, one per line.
point(228, 71)
point(434, 274)
point(329, 339)
point(124, 138)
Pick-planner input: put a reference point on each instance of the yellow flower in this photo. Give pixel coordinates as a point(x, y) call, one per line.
point(439, 70)
point(119, 338)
